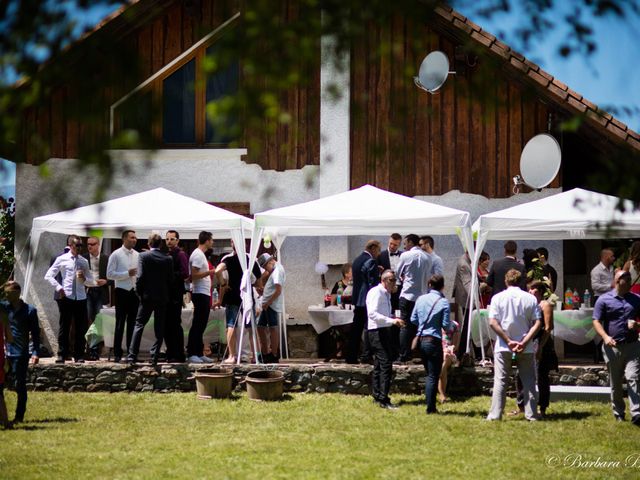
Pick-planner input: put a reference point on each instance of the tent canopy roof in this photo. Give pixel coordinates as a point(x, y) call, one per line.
point(155, 210)
point(577, 213)
point(363, 211)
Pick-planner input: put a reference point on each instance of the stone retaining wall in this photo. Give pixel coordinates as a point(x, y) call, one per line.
point(320, 378)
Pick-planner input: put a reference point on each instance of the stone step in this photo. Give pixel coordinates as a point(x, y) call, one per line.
point(580, 393)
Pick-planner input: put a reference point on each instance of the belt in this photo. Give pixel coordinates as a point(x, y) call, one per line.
point(429, 339)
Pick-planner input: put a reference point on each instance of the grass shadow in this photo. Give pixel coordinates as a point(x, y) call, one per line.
point(56, 420)
point(468, 413)
point(552, 417)
point(26, 427)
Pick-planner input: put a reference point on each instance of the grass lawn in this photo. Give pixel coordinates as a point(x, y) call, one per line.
point(304, 436)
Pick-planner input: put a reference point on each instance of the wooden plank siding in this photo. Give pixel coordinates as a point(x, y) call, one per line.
point(163, 35)
point(454, 139)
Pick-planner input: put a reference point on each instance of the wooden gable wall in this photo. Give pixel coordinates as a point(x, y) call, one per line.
point(168, 29)
point(411, 142)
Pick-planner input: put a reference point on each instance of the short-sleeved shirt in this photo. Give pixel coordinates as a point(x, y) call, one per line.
point(199, 261)
point(277, 277)
point(613, 311)
point(516, 311)
point(232, 297)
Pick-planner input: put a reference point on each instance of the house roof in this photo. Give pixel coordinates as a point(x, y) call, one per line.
point(134, 11)
point(543, 81)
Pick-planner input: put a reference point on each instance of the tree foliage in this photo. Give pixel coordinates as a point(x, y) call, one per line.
point(7, 237)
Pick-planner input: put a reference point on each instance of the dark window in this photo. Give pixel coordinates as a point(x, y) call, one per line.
point(135, 114)
point(220, 84)
point(179, 103)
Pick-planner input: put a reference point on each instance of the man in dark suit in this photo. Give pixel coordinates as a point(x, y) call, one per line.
point(98, 290)
point(154, 279)
point(366, 275)
point(500, 267)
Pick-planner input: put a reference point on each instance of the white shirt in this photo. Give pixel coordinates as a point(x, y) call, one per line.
point(94, 264)
point(199, 261)
point(120, 262)
point(516, 311)
point(437, 265)
point(67, 265)
point(277, 277)
point(394, 260)
point(378, 308)
point(601, 279)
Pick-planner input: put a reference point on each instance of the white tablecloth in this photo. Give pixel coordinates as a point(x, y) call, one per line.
point(323, 318)
point(215, 331)
point(574, 326)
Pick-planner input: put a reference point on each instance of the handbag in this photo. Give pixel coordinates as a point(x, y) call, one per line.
point(415, 343)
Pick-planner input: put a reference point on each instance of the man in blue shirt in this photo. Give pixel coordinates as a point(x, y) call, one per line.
point(414, 270)
point(431, 315)
point(615, 319)
point(23, 320)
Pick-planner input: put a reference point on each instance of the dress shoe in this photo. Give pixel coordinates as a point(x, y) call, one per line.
point(117, 359)
point(79, 360)
point(59, 359)
point(389, 405)
point(636, 420)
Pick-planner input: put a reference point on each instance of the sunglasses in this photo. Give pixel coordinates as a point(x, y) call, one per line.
point(78, 245)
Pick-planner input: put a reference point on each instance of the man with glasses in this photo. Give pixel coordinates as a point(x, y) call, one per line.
point(75, 271)
point(122, 269)
point(380, 318)
point(98, 290)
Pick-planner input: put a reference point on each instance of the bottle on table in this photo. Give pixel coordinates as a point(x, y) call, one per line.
point(586, 299)
point(327, 298)
point(568, 299)
point(339, 297)
point(576, 300)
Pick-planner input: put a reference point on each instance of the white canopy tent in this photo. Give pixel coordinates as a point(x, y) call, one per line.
point(156, 210)
point(363, 211)
point(575, 214)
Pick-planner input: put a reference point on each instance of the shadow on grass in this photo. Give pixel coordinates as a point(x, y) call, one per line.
point(22, 426)
point(552, 417)
point(56, 420)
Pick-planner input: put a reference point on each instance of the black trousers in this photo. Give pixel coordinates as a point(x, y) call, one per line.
point(199, 324)
point(72, 311)
point(173, 333)
point(408, 331)
point(355, 335)
point(381, 349)
point(127, 303)
point(159, 310)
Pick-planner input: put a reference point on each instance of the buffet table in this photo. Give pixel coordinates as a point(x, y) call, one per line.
point(574, 326)
point(323, 318)
point(215, 331)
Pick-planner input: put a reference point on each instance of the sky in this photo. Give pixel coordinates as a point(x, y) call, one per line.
point(608, 77)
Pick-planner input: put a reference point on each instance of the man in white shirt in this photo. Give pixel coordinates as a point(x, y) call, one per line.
point(272, 307)
point(379, 319)
point(98, 291)
point(413, 270)
point(122, 268)
point(602, 274)
point(515, 317)
point(75, 271)
point(201, 276)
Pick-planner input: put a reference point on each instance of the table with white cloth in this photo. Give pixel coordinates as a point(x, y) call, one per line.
point(215, 331)
point(575, 326)
point(323, 318)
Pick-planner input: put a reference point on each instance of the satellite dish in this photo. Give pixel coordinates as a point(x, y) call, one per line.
point(540, 161)
point(434, 71)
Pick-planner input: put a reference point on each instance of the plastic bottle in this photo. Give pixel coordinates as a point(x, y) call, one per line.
point(568, 299)
point(215, 296)
point(587, 299)
point(339, 297)
point(576, 300)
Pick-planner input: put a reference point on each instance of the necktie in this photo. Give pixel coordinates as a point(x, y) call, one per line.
point(397, 254)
